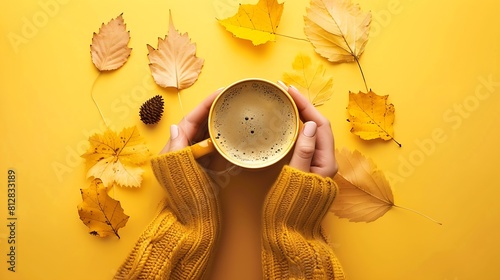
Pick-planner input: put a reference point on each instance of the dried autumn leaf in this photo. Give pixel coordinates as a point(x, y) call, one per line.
point(364, 192)
point(99, 212)
point(109, 50)
point(338, 29)
point(116, 157)
point(370, 116)
point(174, 63)
point(310, 79)
point(255, 22)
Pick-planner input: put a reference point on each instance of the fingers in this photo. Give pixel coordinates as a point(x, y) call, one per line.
point(178, 140)
point(323, 162)
point(193, 121)
point(181, 135)
point(305, 147)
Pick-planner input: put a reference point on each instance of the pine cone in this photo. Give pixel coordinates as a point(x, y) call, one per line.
point(152, 110)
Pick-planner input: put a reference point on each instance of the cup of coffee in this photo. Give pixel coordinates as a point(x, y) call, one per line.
point(253, 123)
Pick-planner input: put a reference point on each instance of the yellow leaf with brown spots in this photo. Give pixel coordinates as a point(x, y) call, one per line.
point(117, 158)
point(102, 214)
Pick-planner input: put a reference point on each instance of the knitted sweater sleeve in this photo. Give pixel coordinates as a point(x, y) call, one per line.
point(178, 243)
point(292, 244)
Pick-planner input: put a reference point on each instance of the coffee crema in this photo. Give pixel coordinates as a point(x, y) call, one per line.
point(254, 123)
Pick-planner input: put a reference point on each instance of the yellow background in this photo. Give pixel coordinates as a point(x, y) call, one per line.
point(437, 60)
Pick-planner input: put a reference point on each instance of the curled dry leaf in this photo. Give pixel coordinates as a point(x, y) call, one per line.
point(117, 158)
point(109, 50)
point(364, 192)
point(310, 79)
point(102, 214)
point(370, 116)
point(255, 22)
point(174, 62)
point(338, 29)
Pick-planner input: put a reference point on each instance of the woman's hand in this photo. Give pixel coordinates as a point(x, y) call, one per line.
point(315, 147)
point(191, 126)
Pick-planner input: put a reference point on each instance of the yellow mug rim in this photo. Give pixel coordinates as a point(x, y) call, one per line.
point(284, 152)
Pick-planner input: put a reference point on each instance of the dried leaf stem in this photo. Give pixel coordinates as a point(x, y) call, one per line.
point(291, 37)
point(180, 102)
point(416, 212)
point(95, 102)
point(361, 70)
point(351, 52)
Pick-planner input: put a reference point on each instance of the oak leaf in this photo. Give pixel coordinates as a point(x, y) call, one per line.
point(174, 62)
point(370, 116)
point(364, 193)
point(310, 79)
point(109, 50)
point(255, 22)
point(117, 158)
point(99, 212)
point(338, 29)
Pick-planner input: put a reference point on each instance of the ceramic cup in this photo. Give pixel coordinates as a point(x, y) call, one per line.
point(253, 123)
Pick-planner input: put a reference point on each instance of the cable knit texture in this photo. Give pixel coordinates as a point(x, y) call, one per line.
point(178, 243)
point(293, 246)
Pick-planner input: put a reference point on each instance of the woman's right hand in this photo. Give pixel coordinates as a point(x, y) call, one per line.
point(315, 147)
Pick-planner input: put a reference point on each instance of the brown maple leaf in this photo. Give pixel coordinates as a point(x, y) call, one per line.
point(174, 62)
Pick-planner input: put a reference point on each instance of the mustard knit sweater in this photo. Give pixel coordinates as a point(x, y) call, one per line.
point(178, 243)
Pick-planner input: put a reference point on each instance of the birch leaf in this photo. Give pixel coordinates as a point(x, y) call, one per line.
point(102, 214)
point(337, 29)
point(117, 158)
point(174, 62)
point(310, 79)
point(370, 116)
point(364, 193)
point(255, 22)
point(109, 49)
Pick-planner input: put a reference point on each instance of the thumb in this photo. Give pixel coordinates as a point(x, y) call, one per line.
point(177, 141)
point(304, 148)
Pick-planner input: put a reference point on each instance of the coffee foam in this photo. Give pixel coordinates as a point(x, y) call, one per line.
point(255, 123)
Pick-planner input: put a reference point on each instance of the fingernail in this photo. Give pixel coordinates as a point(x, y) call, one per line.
point(294, 88)
point(219, 89)
point(282, 84)
point(174, 131)
point(310, 129)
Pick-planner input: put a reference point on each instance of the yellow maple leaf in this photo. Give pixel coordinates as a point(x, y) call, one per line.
point(109, 50)
point(338, 29)
point(255, 22)
point(309, 78)
point(370, 116)
point(174, 62)
point(99, 212)
point(364, 192)
point(116, 157)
